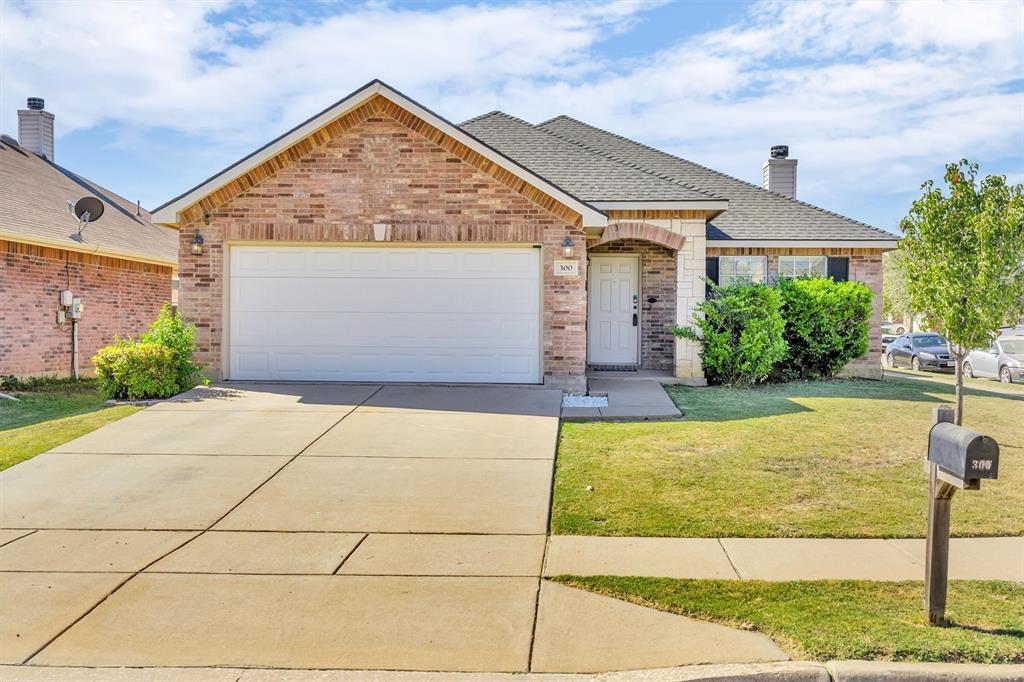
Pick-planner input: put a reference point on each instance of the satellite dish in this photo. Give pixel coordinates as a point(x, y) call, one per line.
point(88, 209)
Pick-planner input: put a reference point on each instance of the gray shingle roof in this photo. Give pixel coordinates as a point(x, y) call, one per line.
point(753, 214)
point(33, 204)
point(583, 173)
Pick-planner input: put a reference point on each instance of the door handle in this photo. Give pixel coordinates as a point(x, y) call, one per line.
point(635, 320)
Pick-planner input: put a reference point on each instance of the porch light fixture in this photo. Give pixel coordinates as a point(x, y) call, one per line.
point(567, 247)
point(197, 244)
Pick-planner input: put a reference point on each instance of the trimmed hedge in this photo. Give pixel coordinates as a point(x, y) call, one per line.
point(740, 333)
point(790, 329)
point(826, 326)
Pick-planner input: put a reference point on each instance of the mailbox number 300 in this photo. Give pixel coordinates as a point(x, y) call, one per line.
point(981, 464)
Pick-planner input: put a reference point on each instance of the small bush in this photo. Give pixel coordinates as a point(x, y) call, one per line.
point(170, 331)
point(158, 365)
point(136, 370)
point(826, 326)
point(740, 333)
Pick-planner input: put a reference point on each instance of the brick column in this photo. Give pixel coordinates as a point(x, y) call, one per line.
point(690, 269)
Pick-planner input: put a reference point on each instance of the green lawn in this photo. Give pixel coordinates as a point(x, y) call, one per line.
point(824, 620)
point(810, 459)
point(51, 414)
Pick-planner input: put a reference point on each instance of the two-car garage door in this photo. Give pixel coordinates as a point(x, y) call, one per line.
point(332, 313)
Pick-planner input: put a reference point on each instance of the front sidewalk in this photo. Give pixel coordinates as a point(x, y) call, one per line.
point(779, 558)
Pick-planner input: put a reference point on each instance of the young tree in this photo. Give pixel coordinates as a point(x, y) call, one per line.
point(963, 257)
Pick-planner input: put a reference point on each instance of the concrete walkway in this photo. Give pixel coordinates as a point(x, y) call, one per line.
point(987, 385)
point(780, 558)
point(316, 526)
point(628, 399)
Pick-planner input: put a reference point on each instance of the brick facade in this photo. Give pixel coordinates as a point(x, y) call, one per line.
point(866, 267)
point(657, 280)
point(120, 297)
point(384, 169)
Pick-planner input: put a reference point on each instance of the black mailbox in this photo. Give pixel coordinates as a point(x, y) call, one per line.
point(963, 453)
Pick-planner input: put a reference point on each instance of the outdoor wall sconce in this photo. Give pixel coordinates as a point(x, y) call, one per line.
point(197, 244)
point(567, 247)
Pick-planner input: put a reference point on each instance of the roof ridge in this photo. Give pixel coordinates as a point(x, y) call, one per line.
point(553, 118)
point(496, 112)
point(629, 164)
point(716, 172)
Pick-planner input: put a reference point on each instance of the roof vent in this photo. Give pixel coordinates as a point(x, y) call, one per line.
point(780, 151)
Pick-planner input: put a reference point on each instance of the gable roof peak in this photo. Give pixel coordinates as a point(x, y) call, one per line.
point(167, 213)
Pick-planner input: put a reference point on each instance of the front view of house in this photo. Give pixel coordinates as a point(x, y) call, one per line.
point(379, 242)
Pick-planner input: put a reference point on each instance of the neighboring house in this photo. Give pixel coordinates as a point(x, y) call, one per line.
point(119, 266)
point(379, 242)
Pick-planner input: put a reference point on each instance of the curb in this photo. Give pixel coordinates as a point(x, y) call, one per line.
point(791, 671)
point(877, 671)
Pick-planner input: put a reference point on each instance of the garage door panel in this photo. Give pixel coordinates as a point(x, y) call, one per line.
point(389, 364)
point(352, 330)
point(385, 314)
point(402, 296)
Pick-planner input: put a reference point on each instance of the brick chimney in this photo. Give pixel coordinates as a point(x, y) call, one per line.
point(779, 172)
point(35, 128)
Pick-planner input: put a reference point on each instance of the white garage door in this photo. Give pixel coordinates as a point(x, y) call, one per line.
point(333, 313)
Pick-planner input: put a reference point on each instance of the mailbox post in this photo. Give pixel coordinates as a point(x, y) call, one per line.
point(957, 460)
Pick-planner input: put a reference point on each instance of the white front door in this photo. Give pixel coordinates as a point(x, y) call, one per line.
point(395, 313)
point(613, 324)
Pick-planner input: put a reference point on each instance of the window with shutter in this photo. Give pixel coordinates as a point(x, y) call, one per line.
point(711, 270)
point(839, 268)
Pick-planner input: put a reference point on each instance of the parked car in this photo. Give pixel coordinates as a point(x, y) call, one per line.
point(920, 350)
point(893, 329)
point(1003, 360)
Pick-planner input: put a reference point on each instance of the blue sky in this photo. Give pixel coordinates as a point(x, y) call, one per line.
point(872, 97)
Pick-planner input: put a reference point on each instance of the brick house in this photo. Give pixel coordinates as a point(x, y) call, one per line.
point(379, 242)
point(119, 266)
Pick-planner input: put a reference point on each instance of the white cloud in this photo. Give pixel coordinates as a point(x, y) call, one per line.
point(868, 94)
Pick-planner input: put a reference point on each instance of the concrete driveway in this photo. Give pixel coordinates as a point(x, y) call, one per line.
point(315, 526)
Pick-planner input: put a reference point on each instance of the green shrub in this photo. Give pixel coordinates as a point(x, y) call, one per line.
point(740, 333)
point(170, 331)
point(826, 326)
point(136, 370)
point(158, 365)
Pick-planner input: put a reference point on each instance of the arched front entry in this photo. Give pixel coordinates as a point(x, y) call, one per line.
point(632, 272)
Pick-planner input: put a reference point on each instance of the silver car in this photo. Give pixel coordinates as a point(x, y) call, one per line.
point(1003, 360)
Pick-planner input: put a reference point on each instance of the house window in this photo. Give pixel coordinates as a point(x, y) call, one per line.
point(742, 269)
point(803, 266)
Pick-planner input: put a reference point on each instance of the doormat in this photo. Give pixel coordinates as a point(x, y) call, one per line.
point(614, 368)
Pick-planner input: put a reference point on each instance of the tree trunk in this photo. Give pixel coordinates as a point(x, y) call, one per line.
point(958, 370)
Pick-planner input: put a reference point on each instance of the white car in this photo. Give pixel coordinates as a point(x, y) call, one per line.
point(1003, 360)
